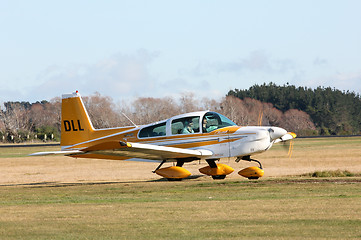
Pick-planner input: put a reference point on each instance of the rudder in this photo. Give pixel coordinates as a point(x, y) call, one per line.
point(76, 126)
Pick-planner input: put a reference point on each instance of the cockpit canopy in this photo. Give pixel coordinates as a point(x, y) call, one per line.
point(213, 121)
point(189, 123)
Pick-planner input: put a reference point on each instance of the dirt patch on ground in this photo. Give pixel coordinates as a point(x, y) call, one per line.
point(68, 170)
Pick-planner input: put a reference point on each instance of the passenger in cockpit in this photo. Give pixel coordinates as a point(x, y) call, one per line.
point(188, 127)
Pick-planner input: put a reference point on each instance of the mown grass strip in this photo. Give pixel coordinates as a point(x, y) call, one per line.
point(286, 208)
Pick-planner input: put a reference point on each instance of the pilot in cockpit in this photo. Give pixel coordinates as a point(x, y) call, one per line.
point(208, 128)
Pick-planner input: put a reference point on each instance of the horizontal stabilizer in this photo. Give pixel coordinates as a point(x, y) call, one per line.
point(56, 153)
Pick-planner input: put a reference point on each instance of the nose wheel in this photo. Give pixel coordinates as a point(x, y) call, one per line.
point(249, 159)
point(250, 172)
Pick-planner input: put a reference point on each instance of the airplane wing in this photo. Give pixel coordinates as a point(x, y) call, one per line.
point(145, 151)
point(134, 150)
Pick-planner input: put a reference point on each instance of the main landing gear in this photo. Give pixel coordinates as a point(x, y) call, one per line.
point(217, 171)
point(174, 173)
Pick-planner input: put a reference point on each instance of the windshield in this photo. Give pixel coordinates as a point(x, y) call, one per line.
point(212, 121)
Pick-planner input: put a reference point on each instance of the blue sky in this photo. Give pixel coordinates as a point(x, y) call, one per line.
point(128, 49)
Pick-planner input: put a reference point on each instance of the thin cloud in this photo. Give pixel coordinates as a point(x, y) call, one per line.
point(348, 81)
point(342, 81)
point(118, 75)
point(256, 61)
point(320, 62)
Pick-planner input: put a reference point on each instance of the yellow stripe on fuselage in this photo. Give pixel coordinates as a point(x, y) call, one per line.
point(222, 135)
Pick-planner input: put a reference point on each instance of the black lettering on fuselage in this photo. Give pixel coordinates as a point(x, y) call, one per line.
point(70, 126)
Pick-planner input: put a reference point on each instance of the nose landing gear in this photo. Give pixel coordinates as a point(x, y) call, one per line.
point(249, 159)
point(251, 172)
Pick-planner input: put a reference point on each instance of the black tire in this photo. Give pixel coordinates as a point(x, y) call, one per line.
point(174, 179)
point(218, 177)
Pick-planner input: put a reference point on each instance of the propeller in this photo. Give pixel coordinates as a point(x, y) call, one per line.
point(288, 146)
point(288, 143)
point(290, 150)
point(281, 135)
point(278, 134)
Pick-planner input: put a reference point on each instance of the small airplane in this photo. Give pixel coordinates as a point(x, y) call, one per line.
point(195, 136)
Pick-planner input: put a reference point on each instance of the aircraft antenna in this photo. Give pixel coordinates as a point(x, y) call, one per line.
point(129, 120)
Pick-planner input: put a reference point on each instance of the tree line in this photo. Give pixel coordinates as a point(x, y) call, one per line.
point(40, 121)
point(332, 111)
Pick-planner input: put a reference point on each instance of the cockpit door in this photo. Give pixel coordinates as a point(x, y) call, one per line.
point(213, 123)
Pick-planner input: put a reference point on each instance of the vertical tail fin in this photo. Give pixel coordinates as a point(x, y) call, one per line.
point(76, 126)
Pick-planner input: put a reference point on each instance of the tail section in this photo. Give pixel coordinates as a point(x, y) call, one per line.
point(76, 126)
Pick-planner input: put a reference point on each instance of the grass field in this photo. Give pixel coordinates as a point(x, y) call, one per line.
point(290, 208)
point(64, 198)
point(12, 152)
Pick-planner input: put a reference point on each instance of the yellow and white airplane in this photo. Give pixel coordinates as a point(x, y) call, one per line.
point(203, 135)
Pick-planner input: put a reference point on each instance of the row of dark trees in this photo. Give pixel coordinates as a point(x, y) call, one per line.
point(333, 112)
point(302, 110)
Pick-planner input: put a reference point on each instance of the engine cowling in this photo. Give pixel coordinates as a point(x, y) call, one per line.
point(251, 172)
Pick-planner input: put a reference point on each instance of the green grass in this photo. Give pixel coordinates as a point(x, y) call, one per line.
point(329, 142)
point(292, 208)
point(271, 208)
point(336, 173)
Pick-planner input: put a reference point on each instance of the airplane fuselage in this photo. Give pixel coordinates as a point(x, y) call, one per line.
point(220, 136)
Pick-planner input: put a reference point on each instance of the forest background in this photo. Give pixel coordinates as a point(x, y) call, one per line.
point(305, 111)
